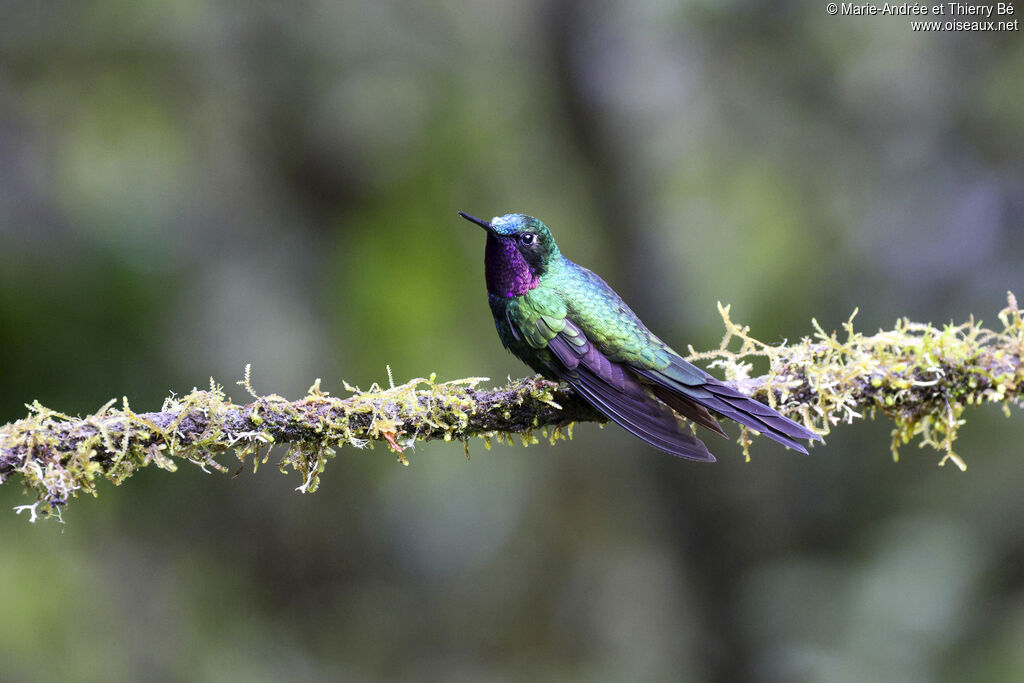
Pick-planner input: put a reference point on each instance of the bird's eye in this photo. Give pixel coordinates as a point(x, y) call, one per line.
point(527, 238)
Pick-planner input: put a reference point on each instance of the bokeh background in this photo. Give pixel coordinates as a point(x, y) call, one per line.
point(189, 187)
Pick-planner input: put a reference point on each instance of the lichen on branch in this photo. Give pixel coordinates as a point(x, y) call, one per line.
point(919, 376)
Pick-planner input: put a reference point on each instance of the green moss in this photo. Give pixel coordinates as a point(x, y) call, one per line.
point(919, 376)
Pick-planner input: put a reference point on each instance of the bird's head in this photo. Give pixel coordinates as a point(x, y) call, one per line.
point(520, 250)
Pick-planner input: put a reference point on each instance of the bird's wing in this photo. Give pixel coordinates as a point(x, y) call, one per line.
point(619, 334)
point(611, 387)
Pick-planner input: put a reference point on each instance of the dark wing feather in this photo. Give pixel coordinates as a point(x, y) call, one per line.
point(687, 408)
point(620, 396)
point(693, 384)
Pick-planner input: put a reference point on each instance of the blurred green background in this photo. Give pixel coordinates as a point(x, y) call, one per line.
point(188, 187)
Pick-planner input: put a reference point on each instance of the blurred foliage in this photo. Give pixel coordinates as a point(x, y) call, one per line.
point(189, 187)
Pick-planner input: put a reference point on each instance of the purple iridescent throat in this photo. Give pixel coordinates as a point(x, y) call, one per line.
point(507, 272)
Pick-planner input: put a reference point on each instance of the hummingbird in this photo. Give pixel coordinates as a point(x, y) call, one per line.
point(568, 325)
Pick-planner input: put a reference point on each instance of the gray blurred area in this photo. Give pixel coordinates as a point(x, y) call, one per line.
point(188, 187)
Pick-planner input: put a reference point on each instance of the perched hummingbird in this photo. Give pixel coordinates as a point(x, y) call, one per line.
point(567, 324)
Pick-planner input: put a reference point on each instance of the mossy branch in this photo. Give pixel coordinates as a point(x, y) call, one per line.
point(919, 376)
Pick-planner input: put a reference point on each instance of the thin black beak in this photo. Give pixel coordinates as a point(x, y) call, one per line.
point(473, 219)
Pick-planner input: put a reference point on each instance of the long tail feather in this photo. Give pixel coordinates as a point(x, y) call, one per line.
point(688, 409)
point(681, 379)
